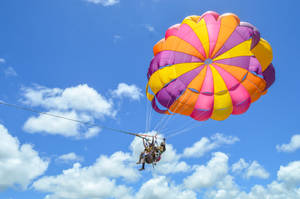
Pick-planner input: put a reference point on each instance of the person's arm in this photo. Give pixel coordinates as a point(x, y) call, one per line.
point(164, 144)
point(144, 143)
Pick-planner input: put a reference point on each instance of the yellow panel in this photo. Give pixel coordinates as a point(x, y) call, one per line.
point(201, 31)
point(149, 95)
point(165, 75)
point(243, 49)
point(222, 100)
point(194, 18)
point(263, 53)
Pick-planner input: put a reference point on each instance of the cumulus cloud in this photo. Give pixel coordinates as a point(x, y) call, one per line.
point(72, 108)
point(113, 177)
point(19, 163)
point(104, 2)
point(240, 166)
point(116, 38)
point(292, 146)
point(286, 186)
point(102, 179)
point(10, 72)
point(208, 175)
point(130, 91)
point(81, 103)
point(150, 28)
point(70, 157)
point(80, 98)
point(57, 126)
point(95, 181)
point(160, 188)
point(256, 170)
point(290, 174)
point(205, 145)
point(224, 189)
point(249, 170)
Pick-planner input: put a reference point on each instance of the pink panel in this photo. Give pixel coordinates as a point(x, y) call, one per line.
point(186, 33)
point(240, 97)
point(213, 27)
point(205, 102)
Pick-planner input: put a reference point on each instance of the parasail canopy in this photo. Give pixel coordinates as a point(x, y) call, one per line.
point(209, 66)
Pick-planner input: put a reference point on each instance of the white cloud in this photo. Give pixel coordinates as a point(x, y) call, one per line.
point(112, 177)
point(224, 189)
point(104, 2)
point(207, 176)
point(116, 38)
point(149, 28)
point(19, 164)
point(70, 157)
point(205, 145)
point(95, 181)
point(240, 166)
point(130, 91)
point(81, 103)
point(170, 162)
point(10, 71)
point(160, 188)
point(256, 170)
point(81, 98)
point(285, 187)
point(249, 170)
point(290, 174)
point(292, 146)
point(58, 126)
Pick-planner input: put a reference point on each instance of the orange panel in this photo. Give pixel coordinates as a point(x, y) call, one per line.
point(185, 103)
point(197, 82)
point(176, 44)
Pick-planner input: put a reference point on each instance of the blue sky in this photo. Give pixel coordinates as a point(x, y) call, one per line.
point(88, 59)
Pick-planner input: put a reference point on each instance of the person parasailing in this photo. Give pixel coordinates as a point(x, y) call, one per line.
point(151, 153)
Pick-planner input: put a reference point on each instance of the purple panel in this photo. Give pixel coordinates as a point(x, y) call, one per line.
point(255, 66)
point(173, 90)
point(155, 107)
point(165, 58)
point(249, 63)
point(269, 75)
point(255, 34)
point(239, 35)
point(201, 115)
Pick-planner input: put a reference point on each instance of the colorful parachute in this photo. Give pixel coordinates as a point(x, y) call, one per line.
point(209, 66)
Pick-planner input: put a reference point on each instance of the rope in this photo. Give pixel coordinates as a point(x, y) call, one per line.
point(70, 119)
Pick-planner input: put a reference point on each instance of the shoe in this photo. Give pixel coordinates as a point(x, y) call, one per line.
point(141, 169)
